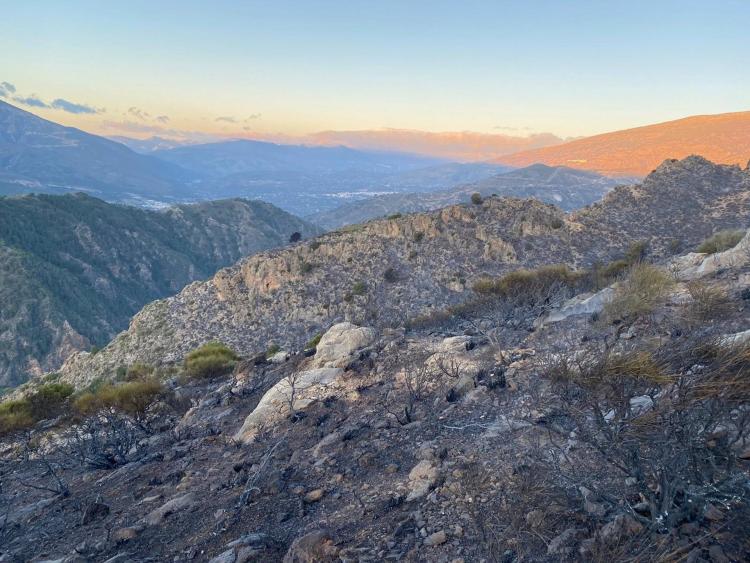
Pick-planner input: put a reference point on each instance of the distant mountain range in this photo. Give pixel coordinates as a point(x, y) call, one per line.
point(37, 155)
point(147, 146)
point(74, 269)
point(722, 138)
point(567, 188)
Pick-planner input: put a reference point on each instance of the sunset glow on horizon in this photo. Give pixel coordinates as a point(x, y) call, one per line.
point(503, 75)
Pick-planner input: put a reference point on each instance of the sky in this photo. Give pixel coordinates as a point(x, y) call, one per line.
point(283, 70)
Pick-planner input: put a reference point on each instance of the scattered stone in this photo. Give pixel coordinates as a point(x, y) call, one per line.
point(315, 547)
point(94, 511)
point(438, 538)
point(314, 496)
point(422, 478)
point(561, 544)
point(177, 504)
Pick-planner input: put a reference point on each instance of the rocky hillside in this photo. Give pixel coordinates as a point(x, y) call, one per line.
point(74, 269)
point(555, 431)
point(392, 272)
point(723, 138)
point(561, 186)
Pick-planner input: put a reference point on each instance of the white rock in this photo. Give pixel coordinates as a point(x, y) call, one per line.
point(694, 266)
point(340, 343)
point(279, 357)
point(303, 387)
point(585, 304)
point(422, 479)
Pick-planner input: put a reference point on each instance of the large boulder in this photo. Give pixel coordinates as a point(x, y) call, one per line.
point(696, 265)
point(341, 343)
point(293, 393)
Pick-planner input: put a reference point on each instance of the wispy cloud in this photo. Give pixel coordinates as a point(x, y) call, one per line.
point(31, 101)
point(72, 107)
point(226, 119)
point(162, 118)
point(6, 89)
point(253, 117)
point(139, 113)
point(235, 120)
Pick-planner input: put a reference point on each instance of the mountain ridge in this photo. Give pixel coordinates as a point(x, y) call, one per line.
point(74, 269)
point(394, 269)
point(722, 138)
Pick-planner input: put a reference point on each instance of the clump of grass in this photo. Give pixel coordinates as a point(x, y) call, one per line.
point(395, 216)
point(213, 359)
point(645, 287)
point(529, 285)
point(721, 241)
point(707, 303)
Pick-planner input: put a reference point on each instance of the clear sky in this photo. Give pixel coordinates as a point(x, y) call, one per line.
point(292, 68)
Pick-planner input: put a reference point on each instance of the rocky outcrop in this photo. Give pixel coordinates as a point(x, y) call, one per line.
point(340, 343)
point(696, 265)
point(386, 272)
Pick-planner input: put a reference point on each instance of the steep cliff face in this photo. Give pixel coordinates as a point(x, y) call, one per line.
point(74, 269)
point(385, 272)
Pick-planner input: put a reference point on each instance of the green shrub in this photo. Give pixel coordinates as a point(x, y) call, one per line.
point(315, 245)
point(48, 400)
point(359, 288)
point(721, 241)
point(418, 236)
point(210, 360)
point(139, 371)
point(15, 416)
point(395, 216)
point(390, 275)
point(132, 398)
point(272, 349)
point(476, 198)
point(314, 341)
point(556, 223)
point(636, 252)
point(645, 287)
point(305, 267)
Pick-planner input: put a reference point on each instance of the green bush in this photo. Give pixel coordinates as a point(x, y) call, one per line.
point(15, 416)
point(272, 349)
point(636, 252)
point(645, 287)
point(359, 288)
point(210, 360)
point(721, 241)
point(132, 398)
point(314, 341)
point(305, 267)
point(139, 371)
point(395, 216)
point(418, 236)
point(48, 400)
point(476, 198)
